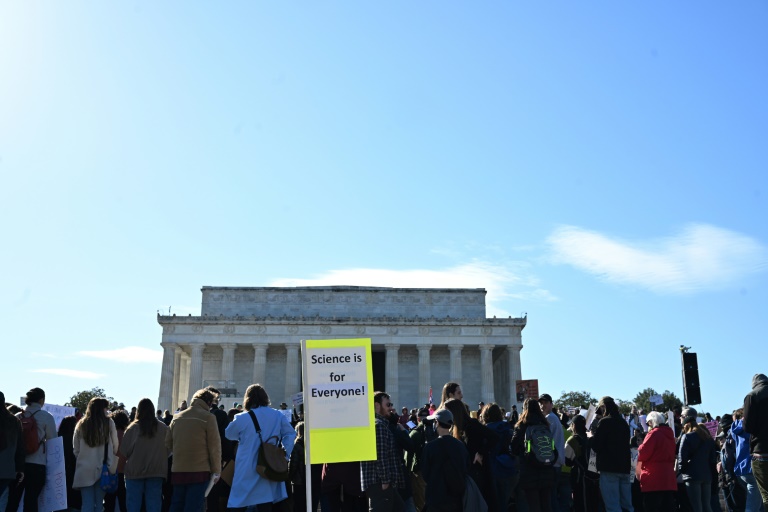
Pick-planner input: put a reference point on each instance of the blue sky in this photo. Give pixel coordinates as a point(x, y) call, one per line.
point(600, 166)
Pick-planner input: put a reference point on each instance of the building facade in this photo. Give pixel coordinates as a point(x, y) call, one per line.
point(421, 338)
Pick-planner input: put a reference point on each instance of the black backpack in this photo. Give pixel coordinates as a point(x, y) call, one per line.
point(540, 445)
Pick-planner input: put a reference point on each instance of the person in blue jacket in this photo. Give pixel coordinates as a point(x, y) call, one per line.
point(248, 487)
point(742, 467)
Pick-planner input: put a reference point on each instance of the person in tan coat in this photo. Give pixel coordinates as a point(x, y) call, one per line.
point(147, 465)
point(194, 439)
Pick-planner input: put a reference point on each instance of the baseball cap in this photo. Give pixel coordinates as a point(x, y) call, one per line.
point(443, 417)
point(545, 398)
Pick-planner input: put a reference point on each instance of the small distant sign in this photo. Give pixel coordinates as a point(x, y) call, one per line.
point(297, 399)
point(712, 427)
point(656, 399)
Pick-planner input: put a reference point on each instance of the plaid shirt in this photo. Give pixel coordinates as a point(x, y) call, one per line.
point(386, 468)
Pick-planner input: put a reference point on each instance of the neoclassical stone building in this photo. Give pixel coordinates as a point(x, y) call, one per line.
point(421, 338)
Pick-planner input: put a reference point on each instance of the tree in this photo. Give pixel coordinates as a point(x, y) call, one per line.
point(80, 399)
point(625, 406)
point(642, 400)
point(581, 399)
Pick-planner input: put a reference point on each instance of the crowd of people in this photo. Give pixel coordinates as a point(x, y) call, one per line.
point(436, 458)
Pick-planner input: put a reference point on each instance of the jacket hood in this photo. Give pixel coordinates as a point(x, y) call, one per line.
point(759, 380)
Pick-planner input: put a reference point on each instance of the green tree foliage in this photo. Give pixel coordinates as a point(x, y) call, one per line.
point(80, 399)
point(575, 399)
point(670, 400)
point(625, 406)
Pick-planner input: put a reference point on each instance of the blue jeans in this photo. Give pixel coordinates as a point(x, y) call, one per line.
point(189, 497)
point(93, 498)
point(749, 484)
point(699, 494)
point(616, 491)
point(151, 489)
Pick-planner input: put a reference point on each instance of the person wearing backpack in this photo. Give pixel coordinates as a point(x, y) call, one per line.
point(585, 483)
point(533, 444)
point(38, 426)
point(614, 458)
point(504, 465)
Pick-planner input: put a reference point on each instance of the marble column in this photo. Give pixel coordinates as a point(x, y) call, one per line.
point(391, 377)
point(486, 373)
point(292, 374)
point(424, 373)
point(228, 363)
point(166, 376)
point(455, 375)
point(259, 364)
point(176, 378)
point(183, 381)
point(195, 370)
point(515, 373)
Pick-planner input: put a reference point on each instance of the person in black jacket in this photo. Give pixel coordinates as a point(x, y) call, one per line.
point(444, 467)
point(611, 446)
point(696, 460)
point(756, 423)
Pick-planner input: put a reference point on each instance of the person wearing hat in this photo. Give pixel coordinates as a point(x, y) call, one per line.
point(515, 416)
point(444, 467)
point(656, 459)
point(696, 458)
point(613, 456)
point(735, 496)
point(561, 494)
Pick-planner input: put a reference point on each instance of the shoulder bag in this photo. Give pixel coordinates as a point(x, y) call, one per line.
point(271, 463)
point(108, 482)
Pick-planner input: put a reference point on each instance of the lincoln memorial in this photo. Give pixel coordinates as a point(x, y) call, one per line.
point(421, 338)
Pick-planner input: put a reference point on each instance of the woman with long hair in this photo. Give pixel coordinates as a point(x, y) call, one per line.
point(249, 489)
point(656, 458)
point(143, 446)
point(450, 390)
point(11, 449)
point(696, 460)
point(93, 433)
point(480, 441)
point(536, 481)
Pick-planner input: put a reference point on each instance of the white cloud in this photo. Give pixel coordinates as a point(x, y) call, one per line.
point(699, 257)
point(126, 355)
point(64, 372)
point(502, 282)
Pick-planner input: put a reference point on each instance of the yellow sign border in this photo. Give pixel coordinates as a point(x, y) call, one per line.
point(342, 444)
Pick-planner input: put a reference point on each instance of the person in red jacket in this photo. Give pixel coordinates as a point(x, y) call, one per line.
point(656, 463)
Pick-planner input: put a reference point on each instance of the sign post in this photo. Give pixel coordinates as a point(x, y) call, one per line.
point(338, 403)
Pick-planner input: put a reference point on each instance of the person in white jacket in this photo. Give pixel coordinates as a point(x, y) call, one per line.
point(92, 433)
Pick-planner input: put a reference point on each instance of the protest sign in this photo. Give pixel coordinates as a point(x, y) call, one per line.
point(527, 389)
point(671, 420)
point(590, 415)
point(712, 427)
point(54, 494)
point(338, 400)
point(59, 412)
point(656, 399)
point(297, 399)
